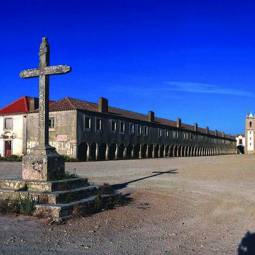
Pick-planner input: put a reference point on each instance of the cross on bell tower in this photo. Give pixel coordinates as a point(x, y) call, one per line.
point(43, 163)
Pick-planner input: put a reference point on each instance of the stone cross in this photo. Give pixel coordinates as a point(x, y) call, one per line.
point(43, 73)
point(43, 163)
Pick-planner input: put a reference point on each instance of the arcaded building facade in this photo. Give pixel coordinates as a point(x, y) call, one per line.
point(90, 131)
point(95, 131)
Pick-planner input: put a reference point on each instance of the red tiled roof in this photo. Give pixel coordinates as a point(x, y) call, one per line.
point(21, 105)
point(69, 103)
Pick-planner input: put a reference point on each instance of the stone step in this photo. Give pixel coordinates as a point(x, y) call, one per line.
point(64, 211)
point(57, 199)
point(43, 186)
point(70, 195)
point(12, 184)
point(52, 198)
point(60, 185)
point(8, 194)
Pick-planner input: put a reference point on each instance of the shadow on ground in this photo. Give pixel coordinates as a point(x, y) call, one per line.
point(156, 173)
point(247, 245)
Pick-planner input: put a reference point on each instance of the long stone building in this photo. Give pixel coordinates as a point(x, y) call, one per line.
point(96, 131)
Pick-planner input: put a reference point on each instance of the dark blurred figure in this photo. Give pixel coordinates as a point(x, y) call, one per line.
point(247, 245)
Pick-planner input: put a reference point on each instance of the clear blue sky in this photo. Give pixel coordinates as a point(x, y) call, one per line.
point(189, 59)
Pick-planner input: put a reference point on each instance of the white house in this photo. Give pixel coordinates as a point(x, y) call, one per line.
point(13, 126)
point(240, 144)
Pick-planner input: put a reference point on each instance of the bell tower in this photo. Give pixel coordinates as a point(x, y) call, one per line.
point(250, 134)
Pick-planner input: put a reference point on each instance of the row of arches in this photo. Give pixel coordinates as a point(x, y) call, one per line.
point(102, 151)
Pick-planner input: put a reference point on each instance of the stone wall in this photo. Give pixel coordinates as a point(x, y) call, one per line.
point(71, 137)
point(62, 136)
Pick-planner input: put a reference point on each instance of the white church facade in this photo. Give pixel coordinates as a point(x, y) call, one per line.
point(250, 134)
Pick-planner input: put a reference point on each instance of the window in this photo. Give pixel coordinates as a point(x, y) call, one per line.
point(250, 124)
point(98, 124)
point(146, 130)
point(122, 127)
point(87, 123)
point(51, 122)
point(8, 122)
point(140, 130)
point(240, 141)
point(167, 133)
point(160, 132)
point(132, 128)
point(114, 125)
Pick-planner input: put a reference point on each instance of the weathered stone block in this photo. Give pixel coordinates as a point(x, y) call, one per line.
point(43, 164)
point(12, 184)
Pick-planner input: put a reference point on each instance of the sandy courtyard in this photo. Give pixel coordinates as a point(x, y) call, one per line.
point(201, 205)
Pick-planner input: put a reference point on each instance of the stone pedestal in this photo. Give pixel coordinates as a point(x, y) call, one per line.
point(43, 164)
point(58, 200)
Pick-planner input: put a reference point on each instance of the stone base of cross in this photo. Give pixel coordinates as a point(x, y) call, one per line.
point(43, 163)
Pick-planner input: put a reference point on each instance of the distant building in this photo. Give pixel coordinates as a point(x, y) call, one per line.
point(96, 131)
point(240, 144)
point(249, 134)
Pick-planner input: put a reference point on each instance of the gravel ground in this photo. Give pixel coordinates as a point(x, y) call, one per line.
point(191, 205)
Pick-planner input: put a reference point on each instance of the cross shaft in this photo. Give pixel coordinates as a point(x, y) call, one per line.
point(43, 73)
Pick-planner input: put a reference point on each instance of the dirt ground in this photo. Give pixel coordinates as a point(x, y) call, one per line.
point(202, 205)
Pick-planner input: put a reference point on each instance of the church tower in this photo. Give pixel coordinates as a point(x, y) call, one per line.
point(250, 134)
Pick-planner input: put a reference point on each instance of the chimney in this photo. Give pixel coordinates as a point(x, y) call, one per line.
point(151, 116)
point(178, 123)
point(33, 103)
point(195, 127)
point(102, 104)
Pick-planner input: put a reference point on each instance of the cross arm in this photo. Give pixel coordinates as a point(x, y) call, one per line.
point(30, 73)
point(48, 70)
point(59, 69)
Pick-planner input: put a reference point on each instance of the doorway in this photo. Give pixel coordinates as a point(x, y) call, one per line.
point(7, 148)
